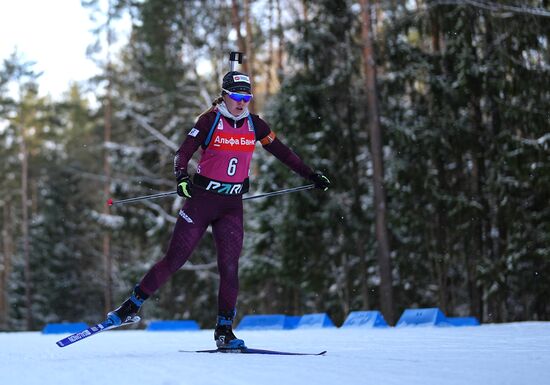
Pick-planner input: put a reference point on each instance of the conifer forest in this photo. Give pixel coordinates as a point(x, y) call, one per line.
point(430, 117)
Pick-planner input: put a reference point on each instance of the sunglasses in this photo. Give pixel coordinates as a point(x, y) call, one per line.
point(238, 97)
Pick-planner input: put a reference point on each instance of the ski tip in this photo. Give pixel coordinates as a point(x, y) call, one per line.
point(110, 202)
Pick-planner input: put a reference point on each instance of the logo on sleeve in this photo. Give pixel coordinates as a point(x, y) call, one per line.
point(194, 132)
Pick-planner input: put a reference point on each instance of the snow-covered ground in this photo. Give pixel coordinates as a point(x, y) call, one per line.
point(517, 353)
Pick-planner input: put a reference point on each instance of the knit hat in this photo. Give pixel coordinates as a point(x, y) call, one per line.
point(236, 82)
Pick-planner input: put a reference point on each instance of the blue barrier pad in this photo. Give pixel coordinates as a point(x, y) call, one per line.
point(268, 322)
point(423, 317)
point(463, 321)
point(64, 328)
point(172, 326)
point(316, 320)
point(291, 321)
point(368, 319)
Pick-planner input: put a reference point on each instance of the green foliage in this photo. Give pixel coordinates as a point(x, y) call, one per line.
point(460, 115)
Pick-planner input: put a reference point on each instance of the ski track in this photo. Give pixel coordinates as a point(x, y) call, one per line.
point(502, 354)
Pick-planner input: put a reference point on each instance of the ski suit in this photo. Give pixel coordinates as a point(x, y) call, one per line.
point(221, 179)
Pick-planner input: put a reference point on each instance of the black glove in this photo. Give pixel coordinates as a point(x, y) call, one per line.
point(321, 181)
point(184, 186)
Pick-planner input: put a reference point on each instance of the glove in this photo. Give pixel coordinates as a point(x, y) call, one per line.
point(321, 181)
point(184, 186)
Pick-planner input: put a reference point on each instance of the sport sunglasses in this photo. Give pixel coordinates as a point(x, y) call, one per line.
point(238, 97)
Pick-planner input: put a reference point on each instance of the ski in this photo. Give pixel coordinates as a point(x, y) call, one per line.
point(253, 351)
point(100, 327)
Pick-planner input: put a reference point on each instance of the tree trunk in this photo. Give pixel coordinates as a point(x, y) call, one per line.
point(249, 49)
point(356, 171)
point(383, 249)
point(25, 228)
point(281, 43)
point(442, 246)
point(5, 263)
point(270, 53)
point(474, 259)
point(441, 220)
point(108, 116)
point(476, 182)
point(241, 43)
point(498, 225)
point(107, 257)
point(244, 43)
point(3, 275)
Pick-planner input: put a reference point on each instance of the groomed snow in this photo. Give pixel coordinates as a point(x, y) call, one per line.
point(516, 353)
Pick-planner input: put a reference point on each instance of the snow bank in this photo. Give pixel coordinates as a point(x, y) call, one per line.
point(516, 353)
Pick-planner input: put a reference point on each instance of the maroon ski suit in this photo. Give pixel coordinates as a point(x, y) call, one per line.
point(224, 212)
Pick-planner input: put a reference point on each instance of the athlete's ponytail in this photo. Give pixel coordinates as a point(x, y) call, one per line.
point(215, 103)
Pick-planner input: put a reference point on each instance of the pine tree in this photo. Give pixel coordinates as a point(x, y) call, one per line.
point(311, 245)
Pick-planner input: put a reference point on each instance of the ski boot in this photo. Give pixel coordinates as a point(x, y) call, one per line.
point(223, 334)
point(129, 308)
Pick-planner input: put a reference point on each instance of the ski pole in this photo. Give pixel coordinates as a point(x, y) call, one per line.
point(280, 192)
point(111, 202)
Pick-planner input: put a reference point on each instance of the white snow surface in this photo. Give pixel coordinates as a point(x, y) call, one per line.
point(515, 353)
